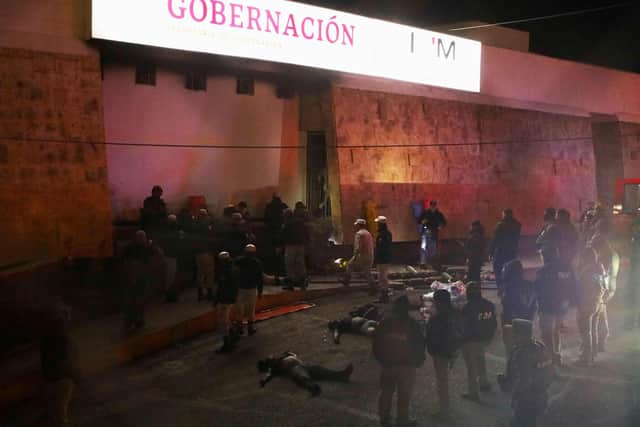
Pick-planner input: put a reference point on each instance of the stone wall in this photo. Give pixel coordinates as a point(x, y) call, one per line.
point(630, 135)
point(54, 197)
point(470, 181)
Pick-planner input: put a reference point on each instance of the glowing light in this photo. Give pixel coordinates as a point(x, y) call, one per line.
point(293, 33)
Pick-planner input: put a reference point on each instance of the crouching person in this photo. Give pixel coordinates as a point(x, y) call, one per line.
point(399, 347)
point(225, 300)
point(529, 373)
point(290, 365)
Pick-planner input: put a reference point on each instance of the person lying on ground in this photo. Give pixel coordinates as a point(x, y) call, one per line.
point(291, 366)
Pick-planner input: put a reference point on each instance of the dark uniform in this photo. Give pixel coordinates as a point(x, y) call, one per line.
point(504, 246)
point(154, 211)
point(480, 324)
point(382, 255)
point(398, 345)
point(226, 298)
point(519, 301)
point(443, 338)
point(529, 374)
point(290, 365)
point(138, 267)
point(249, 279)
point(431, 220)
point(475, 248)
point(552, 305)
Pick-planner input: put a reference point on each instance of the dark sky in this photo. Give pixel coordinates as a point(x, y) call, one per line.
point(610, 38)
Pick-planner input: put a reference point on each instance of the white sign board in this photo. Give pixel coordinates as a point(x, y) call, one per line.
point(293, 33)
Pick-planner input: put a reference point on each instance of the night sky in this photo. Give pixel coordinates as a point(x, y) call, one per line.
point(610, 38)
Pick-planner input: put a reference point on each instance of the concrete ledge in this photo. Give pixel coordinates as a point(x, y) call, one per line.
point(15, 390)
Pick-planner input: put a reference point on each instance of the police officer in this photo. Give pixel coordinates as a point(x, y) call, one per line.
point(552, 304)
point(382, 256)
point(479, 315)
point(225, 299)
point(250, 283)
point(610, 259)
point(443, 342)
point(475, 247)
point(398, 345)
point(504, 246)
point(529, 374)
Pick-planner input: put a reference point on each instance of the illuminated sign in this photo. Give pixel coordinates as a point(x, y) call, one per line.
point(293, 33)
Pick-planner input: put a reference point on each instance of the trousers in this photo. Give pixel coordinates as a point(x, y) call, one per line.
point(398, 380)
point(474, 359)
point(246, 303)
point(550, 325)
point(441, 367)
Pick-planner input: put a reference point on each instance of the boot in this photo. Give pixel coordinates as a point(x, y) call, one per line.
point(251, 330)
point(345, 375)
point(227, 345)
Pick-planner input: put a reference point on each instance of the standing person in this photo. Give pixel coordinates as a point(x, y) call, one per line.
point(382, 255)
point(610, 259)
point(138, 259)
point(398, 345)
point(475, 247)
point(250, 284)
point(518, 301)
point(362, 259)
point(273, 220)
point(243, 209)
point(591, 276)
point(169, 240)
point(226, 298)
point(504, 246)
point(548, 235)
point(568, 240)
point(154, 210)
point(205, 258)
point(443, 340)
point(632, 319)
point(295, 237)
point(551, 305)
point(235, 238)
point(479, 315)
point(57, 358)
point(431, 220)
point(529, 374)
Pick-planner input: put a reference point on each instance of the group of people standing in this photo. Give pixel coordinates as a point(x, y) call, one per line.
point(189, 248)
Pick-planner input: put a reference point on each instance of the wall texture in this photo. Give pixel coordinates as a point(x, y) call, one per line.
point(471, 181)
point(54, 198)
point(169, 114)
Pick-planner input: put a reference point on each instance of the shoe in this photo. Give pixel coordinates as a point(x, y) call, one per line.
point(315, 390)
point(227, 346)
point(251, 330)
point(472, 398)
point(346, 373)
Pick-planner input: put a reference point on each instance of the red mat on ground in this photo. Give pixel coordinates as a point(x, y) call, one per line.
point(282, 311)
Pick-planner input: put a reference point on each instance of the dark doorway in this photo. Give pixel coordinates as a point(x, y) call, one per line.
point(317, 177)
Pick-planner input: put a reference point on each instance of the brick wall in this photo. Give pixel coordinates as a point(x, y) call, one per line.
point(54, 197)
point(472, 181)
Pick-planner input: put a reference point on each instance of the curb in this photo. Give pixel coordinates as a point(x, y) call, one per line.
point(28, 386)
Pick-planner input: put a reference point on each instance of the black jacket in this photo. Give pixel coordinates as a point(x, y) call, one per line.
point(434, 220)
point(479, 315)
point(234, 240)
point(550, 292)
point(227, 286)
point(295, 230)
point(249, 273)
point(519, 301)
point(475, 246)
point(444, 335)
point(506, 239)
point(383, 247)
point(399, 342)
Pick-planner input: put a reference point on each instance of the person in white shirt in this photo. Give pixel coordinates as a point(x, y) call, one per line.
point(362, 259)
